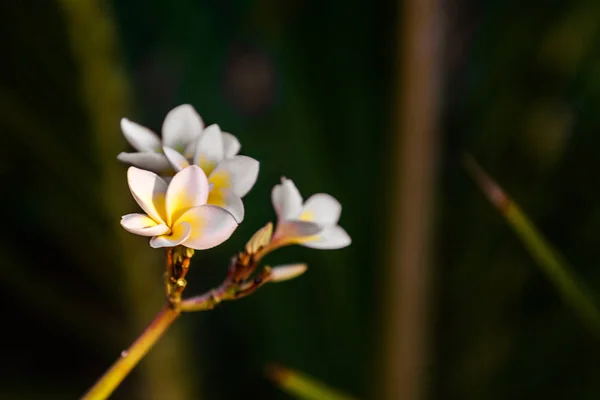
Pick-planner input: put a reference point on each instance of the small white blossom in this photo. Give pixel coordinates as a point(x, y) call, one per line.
point(230, 176)
point(312, 223)
point(177, 213)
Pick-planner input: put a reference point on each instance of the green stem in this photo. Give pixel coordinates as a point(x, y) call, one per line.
point(551, 262)
point(302, 386)
point(130, 357)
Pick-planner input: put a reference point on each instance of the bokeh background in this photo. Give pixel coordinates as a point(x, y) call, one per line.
point(318, 91)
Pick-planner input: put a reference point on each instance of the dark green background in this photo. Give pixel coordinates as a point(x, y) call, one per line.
point(307, 88)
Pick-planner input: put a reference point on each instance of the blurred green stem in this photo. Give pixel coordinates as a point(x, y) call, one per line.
point(130, 357)
point(553, 264)
point(303, 386)
point(549, 260)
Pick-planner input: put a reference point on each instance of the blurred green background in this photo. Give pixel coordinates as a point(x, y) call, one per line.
point(308, 87)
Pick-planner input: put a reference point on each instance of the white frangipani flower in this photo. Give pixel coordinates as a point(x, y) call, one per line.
point(230, 176)
point(312, 223)
point(177, 213)
point(180, 130)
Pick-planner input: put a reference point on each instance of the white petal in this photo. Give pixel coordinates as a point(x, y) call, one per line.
point(190, 149)
point(148, 190)
point(332, 237)
point(143, 225)
point(322, 209)
point(231, 145)
point(140, 137)
point(211, 226)
point(290, 230)
point(238, 173)
point(181, 127)
point(187, 189)
point(178, 162)
point(209, 149)
point(228, 200)
point(287, 200)
point(286, 272)
point(155, 162)
point(179, 234)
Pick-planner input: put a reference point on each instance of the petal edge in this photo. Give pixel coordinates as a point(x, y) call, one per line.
point(148, 190)
point(333, 237)
point(143, 225)
point(155, 162)
point(181, 126)
point(140, 137)
point(179, 234)
point(212, 226)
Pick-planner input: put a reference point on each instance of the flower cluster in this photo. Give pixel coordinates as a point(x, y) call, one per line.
point(190, 184)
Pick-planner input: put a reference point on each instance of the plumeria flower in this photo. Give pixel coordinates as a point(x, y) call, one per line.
point(181, 130)
point(177, 213)
point(312, 223)
point(230, 176)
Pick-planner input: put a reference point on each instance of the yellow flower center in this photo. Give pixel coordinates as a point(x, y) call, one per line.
point(207, 165)
point(308, 216)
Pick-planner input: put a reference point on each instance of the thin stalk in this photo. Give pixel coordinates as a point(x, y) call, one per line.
point(302, 386)
point(207, 301)
point(564, 277)
point(130, 357)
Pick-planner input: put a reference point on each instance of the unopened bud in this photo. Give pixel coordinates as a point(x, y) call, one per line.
point(286, 272)
point(261, 238)
point(189, 252)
